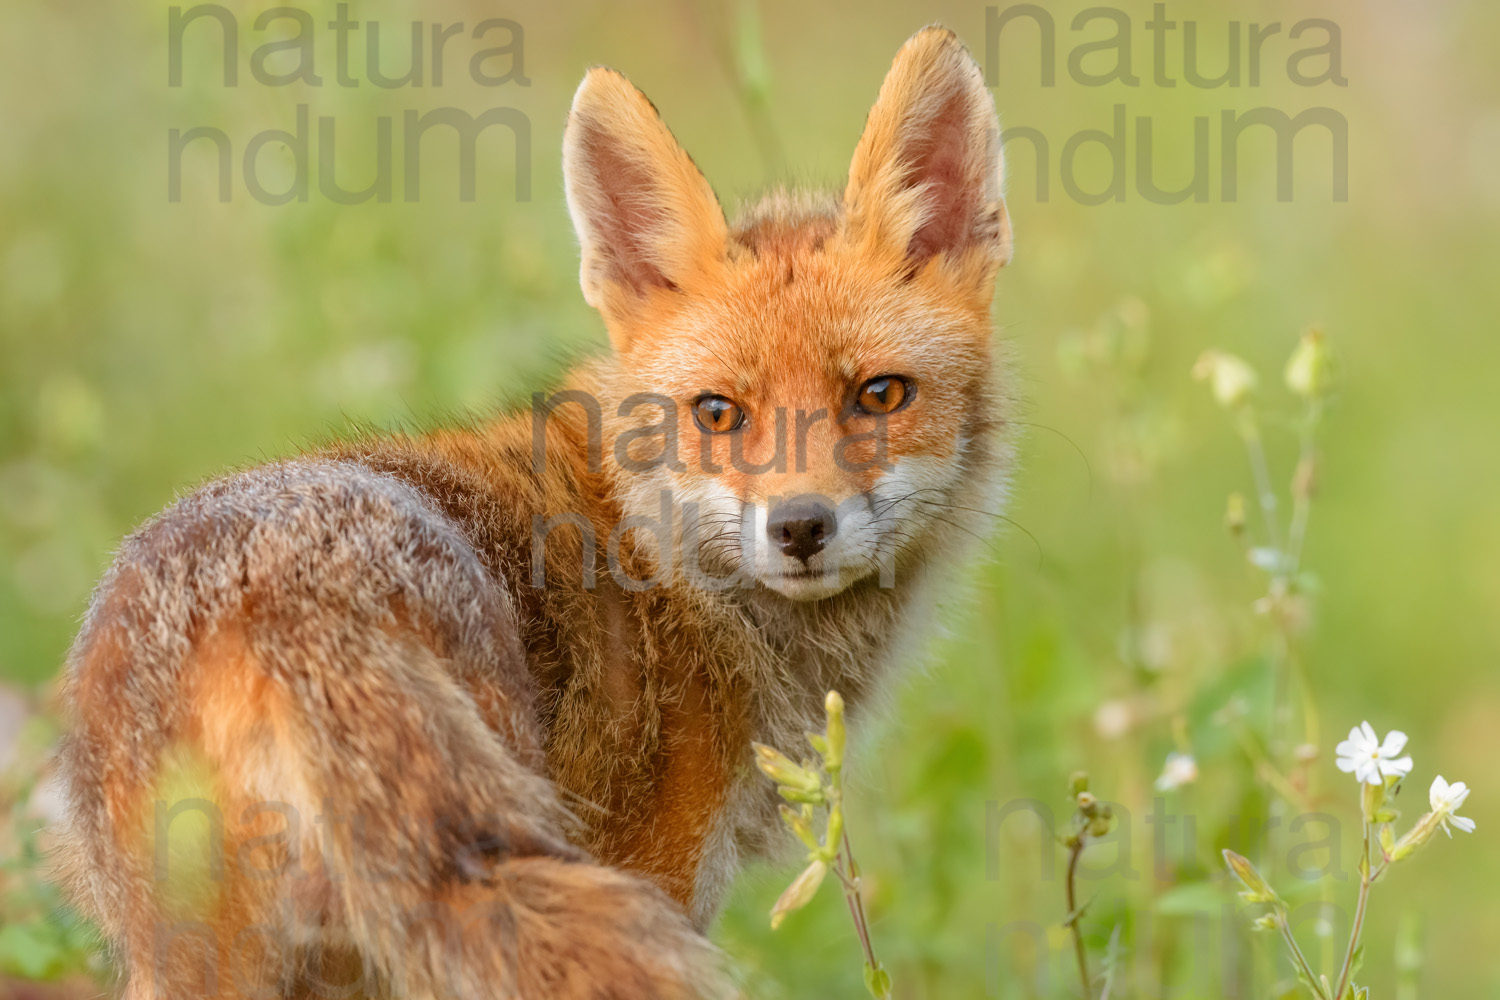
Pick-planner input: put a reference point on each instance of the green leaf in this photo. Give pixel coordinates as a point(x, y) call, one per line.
point(1189, 899)
point(30, 952)
point(877, 981)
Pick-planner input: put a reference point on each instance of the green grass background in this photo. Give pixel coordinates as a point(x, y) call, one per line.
point(146, 345)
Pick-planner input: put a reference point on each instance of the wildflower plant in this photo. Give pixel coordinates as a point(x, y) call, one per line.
point(1278, 551)
point(1091, 819)
point(814, 794)
point(1380, 773)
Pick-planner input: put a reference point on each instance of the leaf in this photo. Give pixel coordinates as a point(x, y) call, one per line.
point(28, 952)
point(1077, 914)
point(1189, 899)
point(877, 981)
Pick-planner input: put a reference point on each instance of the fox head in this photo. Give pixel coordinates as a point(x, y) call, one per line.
point(808, 392)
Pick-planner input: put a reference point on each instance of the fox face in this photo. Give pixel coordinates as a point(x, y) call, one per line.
point(804, 394)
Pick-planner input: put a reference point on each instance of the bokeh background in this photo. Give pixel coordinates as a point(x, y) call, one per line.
point(147, 344)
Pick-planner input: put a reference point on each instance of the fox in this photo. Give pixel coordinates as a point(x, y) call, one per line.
point(469, 711)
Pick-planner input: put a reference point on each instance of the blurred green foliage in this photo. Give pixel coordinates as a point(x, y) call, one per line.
point(146, 345)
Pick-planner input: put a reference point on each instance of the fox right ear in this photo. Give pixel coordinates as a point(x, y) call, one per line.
point(647, 221)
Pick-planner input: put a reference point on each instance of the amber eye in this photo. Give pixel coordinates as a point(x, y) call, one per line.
point(718, 415)
point(884, 394)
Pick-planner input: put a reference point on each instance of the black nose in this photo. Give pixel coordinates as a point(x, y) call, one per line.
point(801, 527)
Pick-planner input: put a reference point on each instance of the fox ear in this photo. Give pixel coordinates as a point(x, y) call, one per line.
point(926, 177)
point(647, 221)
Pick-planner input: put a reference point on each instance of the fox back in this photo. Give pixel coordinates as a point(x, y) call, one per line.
point(469, 713)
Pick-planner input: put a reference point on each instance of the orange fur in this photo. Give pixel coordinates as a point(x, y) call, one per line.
point(427, 774)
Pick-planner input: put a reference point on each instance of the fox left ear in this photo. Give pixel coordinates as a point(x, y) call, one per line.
point(647, 221)
point(926, 178)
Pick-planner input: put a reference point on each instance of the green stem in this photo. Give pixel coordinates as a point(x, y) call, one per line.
point(1301, 498)
point(1296, 950)
point(852, 896)
point(1265, 493)
point(1078, 949)
point(1359, 917)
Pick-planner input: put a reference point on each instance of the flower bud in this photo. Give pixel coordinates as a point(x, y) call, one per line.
point(800, 892)
point(1418, 835)
point(781, 769)
point(1231, 378)
point(1259, 891)
point(1078, 782)
point(833, 705)
point(1309, 370)
point(1371, 801)
point(800, 823)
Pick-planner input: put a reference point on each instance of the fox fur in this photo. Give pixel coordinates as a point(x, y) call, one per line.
point(413, 770)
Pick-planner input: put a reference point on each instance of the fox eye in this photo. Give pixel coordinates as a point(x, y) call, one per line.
point(718, 415)
point(884, 394)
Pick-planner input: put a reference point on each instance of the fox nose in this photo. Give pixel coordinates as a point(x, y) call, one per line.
point(800, 527)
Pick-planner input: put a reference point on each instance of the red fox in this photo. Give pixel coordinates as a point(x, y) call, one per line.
point(470, 712)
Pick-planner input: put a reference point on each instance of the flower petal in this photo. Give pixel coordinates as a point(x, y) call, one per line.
point(1348, 748)
point(1369, 734)
point(1394, 741)
point(1347, 763)
point(1464, 823)
point(1457, 792)
point(1400, 767)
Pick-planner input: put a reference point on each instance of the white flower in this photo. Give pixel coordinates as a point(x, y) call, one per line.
point(1113, 719)
point(1231, 379)
point(1446, 800)
point(1180, 769)
point(1370, 760)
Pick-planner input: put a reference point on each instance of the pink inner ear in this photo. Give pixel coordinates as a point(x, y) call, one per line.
point(937, 158)
point(625, 211)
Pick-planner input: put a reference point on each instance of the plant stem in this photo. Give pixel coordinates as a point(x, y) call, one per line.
point(1075, 853)
point(1297, 956)
point(1301, 493)
point(855, 901)
point(1365, 880)
point(1265, 493)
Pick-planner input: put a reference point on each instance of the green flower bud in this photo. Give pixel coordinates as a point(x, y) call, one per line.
point(834, 706)
point(1309, 370)
point(800, 823)
point(784, 771)
point(800, 892)
point(1258, 890)
point(1418, 835)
